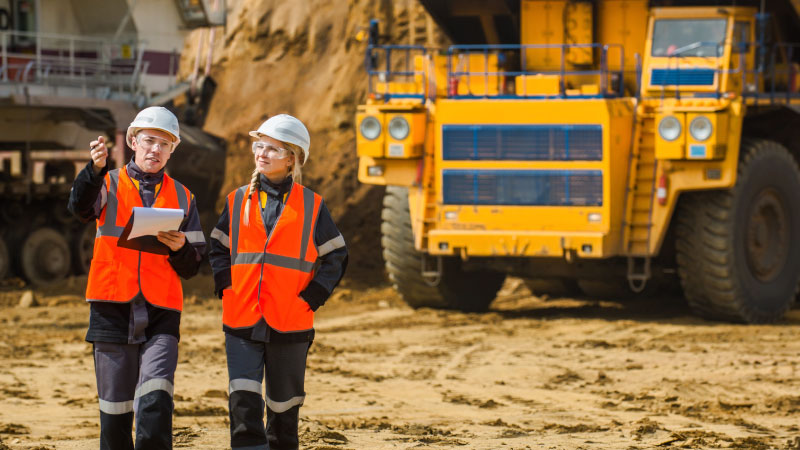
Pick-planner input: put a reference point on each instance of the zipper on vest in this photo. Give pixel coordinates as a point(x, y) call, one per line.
point(260, 276)
point(139, 271)
point(269, 235)
point(155, 196)
point(264, 252)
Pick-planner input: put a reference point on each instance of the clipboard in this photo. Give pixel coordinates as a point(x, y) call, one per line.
point(144, 243)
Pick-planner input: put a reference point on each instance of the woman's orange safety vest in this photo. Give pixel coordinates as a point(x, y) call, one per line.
point(269, 272)
point(118, 274)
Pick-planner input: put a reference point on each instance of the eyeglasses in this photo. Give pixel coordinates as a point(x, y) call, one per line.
point(269, 150)
point(147, 142)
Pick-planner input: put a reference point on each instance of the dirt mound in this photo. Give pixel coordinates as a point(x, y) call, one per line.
point(302, 58)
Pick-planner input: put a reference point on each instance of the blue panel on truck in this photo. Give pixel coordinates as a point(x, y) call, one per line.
point(523, 187)
point(522, 142)
point(682, 77)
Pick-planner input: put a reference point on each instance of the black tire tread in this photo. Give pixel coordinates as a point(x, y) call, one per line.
point(466, 291)
point(27, 260)
point(705, 250)
point(5, 259)
point(403, 262)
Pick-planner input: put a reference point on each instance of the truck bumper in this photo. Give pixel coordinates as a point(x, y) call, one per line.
point(518, 243)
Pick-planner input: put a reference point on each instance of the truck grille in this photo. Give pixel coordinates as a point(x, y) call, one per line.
point(522, 142)
point(523, 187)
point(682, 77)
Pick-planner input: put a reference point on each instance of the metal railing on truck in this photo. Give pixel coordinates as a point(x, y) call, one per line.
point(784, 85)
point(402, 77)
point(411, 75)
point(611, 83)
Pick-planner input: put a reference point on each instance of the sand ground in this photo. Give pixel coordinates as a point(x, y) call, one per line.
point(531, 373)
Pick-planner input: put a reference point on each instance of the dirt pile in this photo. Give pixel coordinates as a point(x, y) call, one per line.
point(302, 58)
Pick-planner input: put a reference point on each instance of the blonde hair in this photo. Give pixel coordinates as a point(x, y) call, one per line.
point(250, 189)
point(297, 167)
point(295, 171)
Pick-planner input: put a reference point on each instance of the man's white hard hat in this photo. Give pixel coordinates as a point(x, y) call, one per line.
point(285, 128)
point(155, 118)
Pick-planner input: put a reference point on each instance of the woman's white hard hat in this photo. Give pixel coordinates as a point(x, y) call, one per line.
point(285, 128)
point(155, 118)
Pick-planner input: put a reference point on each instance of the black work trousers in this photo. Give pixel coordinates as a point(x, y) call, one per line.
point(282, 367)
point(136, 378)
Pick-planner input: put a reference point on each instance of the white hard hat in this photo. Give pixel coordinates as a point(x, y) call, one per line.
point(155, 118)
point(285, 128)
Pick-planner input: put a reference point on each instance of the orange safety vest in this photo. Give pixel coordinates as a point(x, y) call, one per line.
point(118, 274)
point(269, 272)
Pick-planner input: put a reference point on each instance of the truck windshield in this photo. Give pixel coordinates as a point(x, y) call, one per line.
point(704, 36)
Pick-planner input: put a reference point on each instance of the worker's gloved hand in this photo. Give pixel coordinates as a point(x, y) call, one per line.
point(312, 305)
point(315, 295)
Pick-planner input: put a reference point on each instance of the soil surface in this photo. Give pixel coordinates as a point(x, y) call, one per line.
point(531, 373)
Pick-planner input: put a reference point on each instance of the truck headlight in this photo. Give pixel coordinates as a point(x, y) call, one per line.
point(701, 128)
point(370, 128)
point(669, 128)
point(398, 128)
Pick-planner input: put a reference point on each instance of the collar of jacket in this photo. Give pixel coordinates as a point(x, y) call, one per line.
point(147, 179)
point(275, 190)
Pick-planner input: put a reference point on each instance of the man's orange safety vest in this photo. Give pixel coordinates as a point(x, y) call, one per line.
point(118, 274)
point(269, 272)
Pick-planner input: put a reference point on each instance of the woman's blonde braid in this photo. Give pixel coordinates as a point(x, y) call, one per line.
point(252, 188)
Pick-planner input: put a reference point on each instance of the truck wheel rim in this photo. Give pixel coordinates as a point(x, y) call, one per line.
point(767, 236)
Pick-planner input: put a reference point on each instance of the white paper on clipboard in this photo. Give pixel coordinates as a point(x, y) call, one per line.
point(149, 221)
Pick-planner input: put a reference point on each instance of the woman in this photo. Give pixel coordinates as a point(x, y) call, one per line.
point(276, 256)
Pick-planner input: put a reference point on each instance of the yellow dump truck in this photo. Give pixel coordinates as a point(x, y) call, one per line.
point(591, 145)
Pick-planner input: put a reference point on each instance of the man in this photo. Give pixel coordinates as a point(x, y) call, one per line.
point(136, 297)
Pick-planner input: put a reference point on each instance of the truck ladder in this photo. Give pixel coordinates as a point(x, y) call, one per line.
point(431, 270)
point(639, 197)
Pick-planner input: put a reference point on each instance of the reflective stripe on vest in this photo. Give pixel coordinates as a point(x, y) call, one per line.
point(118, 274)
point(269, 272)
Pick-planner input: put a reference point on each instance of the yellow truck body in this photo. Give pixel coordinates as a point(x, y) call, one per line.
point(562, 148)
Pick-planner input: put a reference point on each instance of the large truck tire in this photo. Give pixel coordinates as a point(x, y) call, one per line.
point(83, 247)
point(5, 261)
point(46, 257)
point(738, 251)
point(471, 291)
